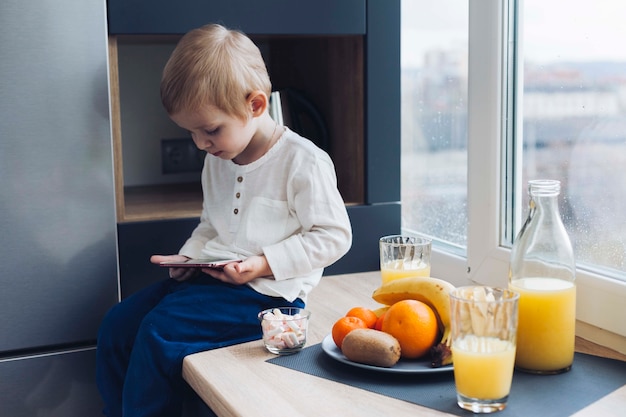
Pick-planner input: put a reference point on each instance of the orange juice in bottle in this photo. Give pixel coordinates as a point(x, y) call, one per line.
point(547, 339)
point(542, 271)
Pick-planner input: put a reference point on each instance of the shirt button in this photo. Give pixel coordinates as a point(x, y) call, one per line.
point(239, 179)
point(236, 211)
point(238, 195)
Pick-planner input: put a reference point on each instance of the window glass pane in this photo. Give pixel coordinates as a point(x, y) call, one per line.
point(434, 119)
point(574, 120)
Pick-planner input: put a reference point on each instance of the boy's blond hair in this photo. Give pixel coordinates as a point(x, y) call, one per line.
point(215, 66)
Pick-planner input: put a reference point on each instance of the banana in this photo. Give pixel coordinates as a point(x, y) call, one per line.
point(435, 293)
point(381, 310)
point(432, 291)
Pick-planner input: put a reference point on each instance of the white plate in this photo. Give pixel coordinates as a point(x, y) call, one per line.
point(406, 366)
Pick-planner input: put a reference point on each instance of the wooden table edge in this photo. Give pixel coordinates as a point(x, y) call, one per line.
point(343, 292)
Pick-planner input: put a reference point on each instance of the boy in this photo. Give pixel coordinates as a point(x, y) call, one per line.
point(270, 199)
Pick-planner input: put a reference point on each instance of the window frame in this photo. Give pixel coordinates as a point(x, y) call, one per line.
point(600, 299)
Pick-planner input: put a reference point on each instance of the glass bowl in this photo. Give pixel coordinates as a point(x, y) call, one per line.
point(284, 329)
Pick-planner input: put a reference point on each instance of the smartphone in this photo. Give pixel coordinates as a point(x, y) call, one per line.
point(214, 263)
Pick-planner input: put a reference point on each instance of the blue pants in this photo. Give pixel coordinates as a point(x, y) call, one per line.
point(142, 340)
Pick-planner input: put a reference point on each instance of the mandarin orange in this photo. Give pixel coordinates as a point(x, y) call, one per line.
point(345, 325)
point(379, 322)
point(365, 314)
point(414, 324)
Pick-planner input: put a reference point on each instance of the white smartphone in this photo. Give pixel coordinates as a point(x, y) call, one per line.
point(199, 263)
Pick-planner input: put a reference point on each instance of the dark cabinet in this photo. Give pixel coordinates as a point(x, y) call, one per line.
point(262, 17)
point(343, 55)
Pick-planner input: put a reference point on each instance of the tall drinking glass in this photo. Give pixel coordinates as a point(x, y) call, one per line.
point(484, 330)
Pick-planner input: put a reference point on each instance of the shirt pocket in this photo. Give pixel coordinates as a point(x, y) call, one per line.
point(265, 223)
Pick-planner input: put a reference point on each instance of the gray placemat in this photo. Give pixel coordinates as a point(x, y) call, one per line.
point(590, 379)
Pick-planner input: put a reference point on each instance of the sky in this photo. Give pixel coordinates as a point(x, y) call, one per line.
point(577, 30)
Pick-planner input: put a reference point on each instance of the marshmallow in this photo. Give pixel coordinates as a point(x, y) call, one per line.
point(282, 331)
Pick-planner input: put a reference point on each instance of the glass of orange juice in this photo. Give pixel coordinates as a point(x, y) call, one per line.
point(484, 330)
point(404, 256)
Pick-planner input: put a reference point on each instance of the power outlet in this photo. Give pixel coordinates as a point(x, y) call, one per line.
point(180, 155)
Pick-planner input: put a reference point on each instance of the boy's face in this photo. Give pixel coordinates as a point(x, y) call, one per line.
point(216, 132)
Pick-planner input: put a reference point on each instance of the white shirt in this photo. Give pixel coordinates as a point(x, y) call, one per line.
point(284, 205)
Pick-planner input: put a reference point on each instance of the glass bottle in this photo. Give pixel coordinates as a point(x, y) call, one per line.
point(542, 271)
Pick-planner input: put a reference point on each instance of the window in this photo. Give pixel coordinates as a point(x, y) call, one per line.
point(478, 123)
point(434, 120)
point(574, 120)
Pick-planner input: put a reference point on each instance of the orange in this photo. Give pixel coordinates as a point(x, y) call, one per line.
point(365, 314)
point(414, 324)
point(345, 325)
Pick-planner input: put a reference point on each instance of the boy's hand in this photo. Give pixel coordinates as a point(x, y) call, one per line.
point(179, 274)
point(241, 272)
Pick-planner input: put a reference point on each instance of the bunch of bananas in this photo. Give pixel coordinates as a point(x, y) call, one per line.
point(436, 294)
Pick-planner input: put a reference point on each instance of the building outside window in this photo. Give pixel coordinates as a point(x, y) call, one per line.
point(497, 93)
